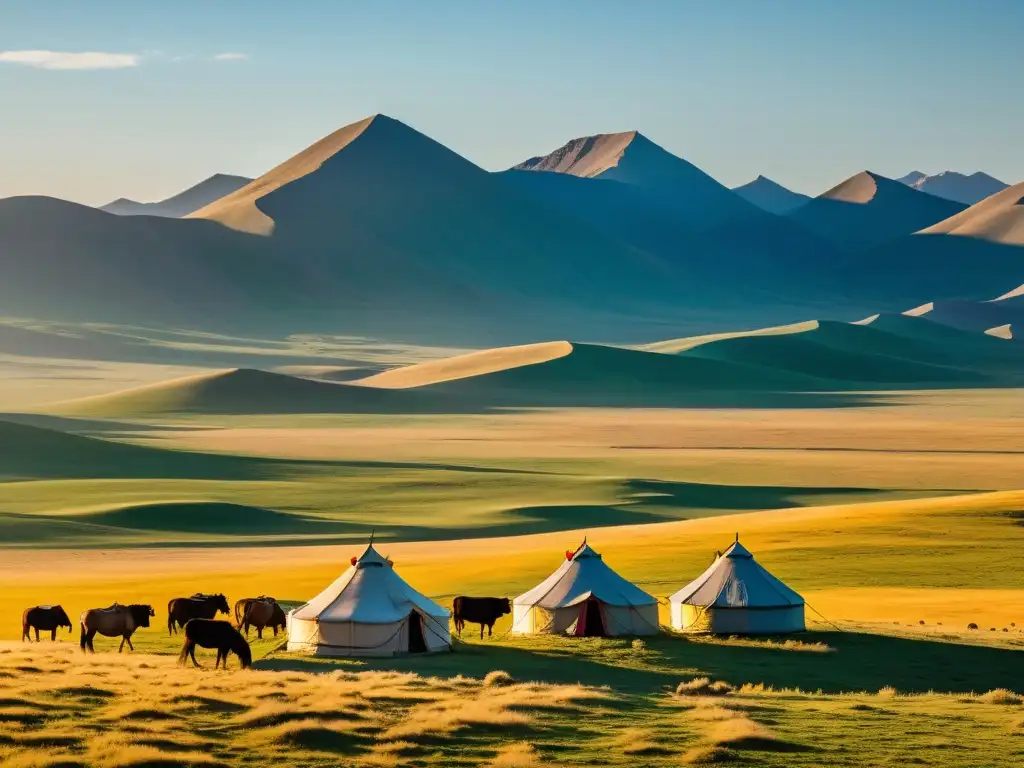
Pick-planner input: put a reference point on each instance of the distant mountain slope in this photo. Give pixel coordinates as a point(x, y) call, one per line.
point(183, 203)
point(378, 189)
point(867, 210)
point(632, 159)
point(999, 218)
point(962, 188)
point(912, 178)
point(634, 191)
point(376, 230)
point(245, 391)
point(771, 196)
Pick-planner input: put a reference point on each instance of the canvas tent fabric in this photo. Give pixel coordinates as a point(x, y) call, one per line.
point(368, 611)
point(736, 595)
point(585, 597)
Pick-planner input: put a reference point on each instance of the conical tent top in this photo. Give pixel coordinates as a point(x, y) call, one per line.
point(585, 550)
point(370, 557)
point(737, 550)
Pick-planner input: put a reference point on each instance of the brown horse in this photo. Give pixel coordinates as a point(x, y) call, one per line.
point(45, 617)
point(208, 633)
point(262, 614)
point(243, 605)
point(115, 621)
point(181, 609)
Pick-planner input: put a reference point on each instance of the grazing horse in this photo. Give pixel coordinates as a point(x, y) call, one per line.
point(47, 618)
point(199, 606)
point(115, 621)
point(243, 605)
point(479, 610)
point(209, 633)
point(262, 614)
point(278, 621)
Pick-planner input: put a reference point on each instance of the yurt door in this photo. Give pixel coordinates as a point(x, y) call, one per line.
point(417, 642)
point(591, 620)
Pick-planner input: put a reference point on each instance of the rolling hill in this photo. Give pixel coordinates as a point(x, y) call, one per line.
point(867, 210)
point(959, 187)
point(771, 196)
point(571, 374)
point(999, 317)
point(247, 391)
point(882, 351)
point(816, 356)
point(38, 453)
point(183, 203)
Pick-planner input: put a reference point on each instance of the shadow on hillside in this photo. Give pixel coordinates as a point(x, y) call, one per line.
point(860, 662)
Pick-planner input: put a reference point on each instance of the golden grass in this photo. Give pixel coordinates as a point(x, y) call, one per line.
point(498, 678)
point(116, 711)
point(520, 754)
point(703, 686)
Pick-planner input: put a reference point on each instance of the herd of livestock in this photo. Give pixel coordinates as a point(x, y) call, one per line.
point(194, 615)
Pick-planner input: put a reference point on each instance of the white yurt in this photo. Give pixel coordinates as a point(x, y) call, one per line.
point(586, 598)
point(369, 611)
point(735, 595)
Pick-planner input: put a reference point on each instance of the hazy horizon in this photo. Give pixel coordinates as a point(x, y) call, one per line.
point(806, 95)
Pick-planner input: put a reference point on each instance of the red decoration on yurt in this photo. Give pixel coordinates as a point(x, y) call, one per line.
point(568, 554)
point(354, 560)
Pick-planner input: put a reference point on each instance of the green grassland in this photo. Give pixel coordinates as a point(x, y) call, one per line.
point(884, 518)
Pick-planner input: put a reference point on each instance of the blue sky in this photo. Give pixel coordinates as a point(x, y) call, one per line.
point(805, 91)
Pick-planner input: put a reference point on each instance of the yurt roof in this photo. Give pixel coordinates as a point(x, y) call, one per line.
point(369, 592)
point(583, 576)
point(737, 580)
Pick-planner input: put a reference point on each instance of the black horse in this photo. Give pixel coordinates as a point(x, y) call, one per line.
point(48, 618)
point(199, 606)
point(210, 633)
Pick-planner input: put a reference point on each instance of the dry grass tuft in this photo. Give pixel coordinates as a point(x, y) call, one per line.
point(703, 686)
point(498, 678)
point(445, 717)
point(710, 756)
point(1001, 696)
point(888, 692)
point(639, 742)
point(520, 754)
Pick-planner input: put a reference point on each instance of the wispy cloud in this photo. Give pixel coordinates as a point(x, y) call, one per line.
point(231, 56)
point(69, 60)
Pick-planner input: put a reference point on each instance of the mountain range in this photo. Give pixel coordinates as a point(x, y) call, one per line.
point(183, 203)
point(962, 188)
point(378, 230)
point(771, 196)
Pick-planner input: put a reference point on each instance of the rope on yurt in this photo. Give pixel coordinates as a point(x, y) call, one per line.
point(825, 618)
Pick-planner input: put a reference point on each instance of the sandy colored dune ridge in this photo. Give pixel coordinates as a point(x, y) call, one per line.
point(999, 218)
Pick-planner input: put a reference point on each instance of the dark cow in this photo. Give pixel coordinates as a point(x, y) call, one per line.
point(48, 618)
point(479, 610)
point(181, 609)
point(208, 633)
